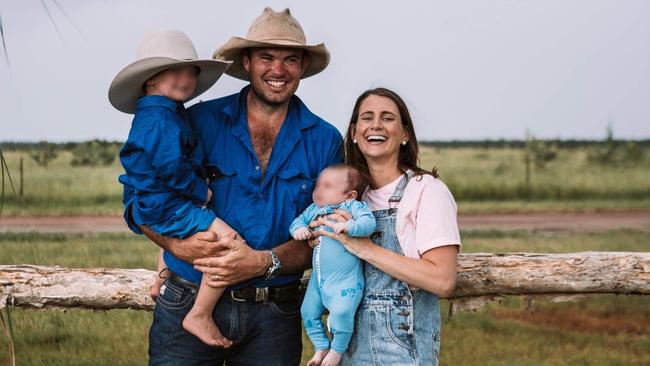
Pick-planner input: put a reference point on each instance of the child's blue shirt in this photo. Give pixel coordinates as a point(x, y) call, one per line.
point(163, 162)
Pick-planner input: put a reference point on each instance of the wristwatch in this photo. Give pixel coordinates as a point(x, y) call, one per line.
point(274, 270)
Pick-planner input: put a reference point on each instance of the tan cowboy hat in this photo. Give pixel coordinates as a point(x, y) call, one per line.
point(158, 51)
point(272, 29)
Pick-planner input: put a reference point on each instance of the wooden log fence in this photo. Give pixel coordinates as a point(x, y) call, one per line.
point(482, 277)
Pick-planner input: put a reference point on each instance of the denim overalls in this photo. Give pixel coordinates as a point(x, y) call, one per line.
point(394, 324)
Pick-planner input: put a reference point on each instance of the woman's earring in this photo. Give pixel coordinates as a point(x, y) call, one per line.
point(354, 141)
point(404, 142)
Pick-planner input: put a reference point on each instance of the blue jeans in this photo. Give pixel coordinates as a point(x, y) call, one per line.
point(263, 333)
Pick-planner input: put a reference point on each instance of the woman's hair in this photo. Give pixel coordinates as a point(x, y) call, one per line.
point(408, 154)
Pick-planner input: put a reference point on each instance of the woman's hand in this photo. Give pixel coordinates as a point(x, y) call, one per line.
point(354, 245)
point(339, 216)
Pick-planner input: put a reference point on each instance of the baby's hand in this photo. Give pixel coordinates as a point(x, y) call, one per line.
point(302, 233)
point(209, 195)
point(340, 227)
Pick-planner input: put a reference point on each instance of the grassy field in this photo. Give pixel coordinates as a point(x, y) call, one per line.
point(482, 180)
point(601, 330)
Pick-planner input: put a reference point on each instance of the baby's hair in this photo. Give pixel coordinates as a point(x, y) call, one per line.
point(356, 182)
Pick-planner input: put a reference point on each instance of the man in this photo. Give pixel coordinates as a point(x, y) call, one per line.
point(264, 150)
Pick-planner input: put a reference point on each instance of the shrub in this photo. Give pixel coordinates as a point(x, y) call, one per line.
point(94, 153)
point(44, 153)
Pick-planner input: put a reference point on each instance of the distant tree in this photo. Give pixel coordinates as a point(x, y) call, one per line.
point(94, 153)
point(605, 153)
point(540, 152)
point(44, 153)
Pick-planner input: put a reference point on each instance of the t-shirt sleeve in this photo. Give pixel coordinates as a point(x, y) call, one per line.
point(436, 223)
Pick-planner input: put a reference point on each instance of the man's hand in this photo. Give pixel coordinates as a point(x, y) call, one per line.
point(302, 233)
point(235, 262)
point(199, 245)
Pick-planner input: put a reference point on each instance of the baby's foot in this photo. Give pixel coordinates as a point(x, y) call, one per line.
point(204, 328)
point(318, 357)
point(333, 358)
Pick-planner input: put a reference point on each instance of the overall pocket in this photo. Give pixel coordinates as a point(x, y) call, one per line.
point(399, 326)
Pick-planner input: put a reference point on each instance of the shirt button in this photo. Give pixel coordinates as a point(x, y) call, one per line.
point(257, 167)
point(259, 195)
point(304, 186)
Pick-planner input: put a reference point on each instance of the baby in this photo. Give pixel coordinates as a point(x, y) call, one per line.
point(162, 156)
point(337, 282)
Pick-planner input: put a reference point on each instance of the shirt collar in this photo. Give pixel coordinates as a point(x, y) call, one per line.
point(298, 112)
point(159, 101)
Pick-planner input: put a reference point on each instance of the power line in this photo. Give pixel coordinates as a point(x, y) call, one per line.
point(68, 17)
point(4, 46)
point(47, 11)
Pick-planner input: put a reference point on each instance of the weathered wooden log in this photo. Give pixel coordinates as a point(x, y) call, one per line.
point(41, 287)
point(482, 277)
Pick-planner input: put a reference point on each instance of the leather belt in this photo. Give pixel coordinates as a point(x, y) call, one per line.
point(277, 294)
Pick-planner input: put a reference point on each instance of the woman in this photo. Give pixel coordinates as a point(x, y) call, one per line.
point(411, 260)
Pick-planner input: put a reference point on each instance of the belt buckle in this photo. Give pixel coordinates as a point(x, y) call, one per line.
point(261, 294)
point(232, 295)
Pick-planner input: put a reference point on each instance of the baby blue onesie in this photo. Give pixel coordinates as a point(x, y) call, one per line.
point(337, 281)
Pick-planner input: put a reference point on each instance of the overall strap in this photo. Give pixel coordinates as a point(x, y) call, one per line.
point(399, 190)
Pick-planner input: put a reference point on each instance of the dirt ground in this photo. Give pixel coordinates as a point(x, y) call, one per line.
point(571, 222)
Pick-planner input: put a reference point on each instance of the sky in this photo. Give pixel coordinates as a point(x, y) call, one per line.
point(468, 70)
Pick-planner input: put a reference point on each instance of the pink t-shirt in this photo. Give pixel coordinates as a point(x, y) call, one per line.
point(426, 215)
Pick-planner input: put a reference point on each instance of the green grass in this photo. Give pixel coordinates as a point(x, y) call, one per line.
point(498, 175)
point(482, 180)
point(532, 206)
point(600, 330)
point(60, 189)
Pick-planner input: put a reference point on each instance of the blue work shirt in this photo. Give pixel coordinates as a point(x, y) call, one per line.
point(163, 162)
point(260, 207)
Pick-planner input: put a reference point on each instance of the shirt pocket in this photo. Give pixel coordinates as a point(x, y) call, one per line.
point(223, 183)
point(220, 176)
point(298, 186)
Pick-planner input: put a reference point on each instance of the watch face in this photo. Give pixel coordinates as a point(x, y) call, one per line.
point(275, 267)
